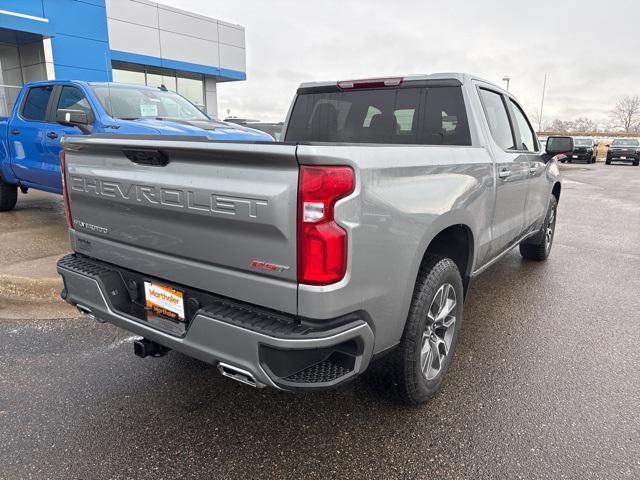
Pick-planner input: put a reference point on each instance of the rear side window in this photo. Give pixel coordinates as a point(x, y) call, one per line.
point(35, 103)
point(446, 117)
point(498, 119)
point(427, 116)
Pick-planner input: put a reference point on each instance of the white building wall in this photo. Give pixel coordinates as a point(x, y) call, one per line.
point(211, 95)
point(148, 28)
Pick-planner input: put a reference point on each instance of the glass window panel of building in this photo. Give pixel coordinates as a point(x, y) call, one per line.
point(190, 86)
point(155, 80)
point(192, 89)
point(128, 76)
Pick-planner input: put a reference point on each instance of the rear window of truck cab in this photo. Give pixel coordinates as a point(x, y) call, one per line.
point(422, 116)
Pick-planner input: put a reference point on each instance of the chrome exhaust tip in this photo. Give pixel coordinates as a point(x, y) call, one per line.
point(86, 311)
point(237, 374)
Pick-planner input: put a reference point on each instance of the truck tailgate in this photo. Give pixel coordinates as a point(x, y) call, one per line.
point(219, 217)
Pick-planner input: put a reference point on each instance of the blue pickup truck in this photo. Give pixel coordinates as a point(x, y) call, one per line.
point(47, 111)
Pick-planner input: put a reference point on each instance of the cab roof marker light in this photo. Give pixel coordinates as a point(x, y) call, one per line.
point(370, 83)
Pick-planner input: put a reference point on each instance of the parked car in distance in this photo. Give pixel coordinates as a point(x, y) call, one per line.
point(239, 120)
point(624, 150)
point(273, 129)
point(47, 111)
point(296, 265)
point(584, 150)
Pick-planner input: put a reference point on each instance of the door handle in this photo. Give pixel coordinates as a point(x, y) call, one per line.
point(533, 170)
point(52, 135)
point(15, 131)
point(504, 173)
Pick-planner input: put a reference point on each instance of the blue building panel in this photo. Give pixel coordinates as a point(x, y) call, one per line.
point(84, 53)
point(26, 7)
point(78, 18)
point(25, 16)
point(80, 43)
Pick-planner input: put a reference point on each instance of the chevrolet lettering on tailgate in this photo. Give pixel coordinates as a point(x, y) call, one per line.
point(197, 200)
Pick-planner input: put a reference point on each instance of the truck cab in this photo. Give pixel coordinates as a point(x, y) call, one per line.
point(30, 137)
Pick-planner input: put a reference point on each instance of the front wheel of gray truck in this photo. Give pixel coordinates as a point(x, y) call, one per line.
point(418, 365)
point(8, 196)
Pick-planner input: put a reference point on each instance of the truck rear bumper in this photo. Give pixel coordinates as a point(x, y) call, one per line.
point(271, 348)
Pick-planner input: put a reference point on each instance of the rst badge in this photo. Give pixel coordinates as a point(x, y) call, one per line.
point(271, 267)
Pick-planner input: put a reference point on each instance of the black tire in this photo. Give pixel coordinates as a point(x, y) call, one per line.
point(607, 161)
point(402, 368)
point(8, 196)
point(539, 247)
point(636, 163)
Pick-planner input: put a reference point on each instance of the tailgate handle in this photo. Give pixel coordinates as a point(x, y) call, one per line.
point(142, 156)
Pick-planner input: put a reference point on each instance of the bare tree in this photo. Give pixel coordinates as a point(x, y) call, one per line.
point(560, 126)
point(584, 125)
point(626, 113)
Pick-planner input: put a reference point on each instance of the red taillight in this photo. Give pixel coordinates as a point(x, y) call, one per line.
point(322, 243)
point(65, 189)
point(370, 83)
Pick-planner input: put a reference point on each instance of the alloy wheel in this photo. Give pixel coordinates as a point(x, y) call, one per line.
point(438, 332)
point(549, 232)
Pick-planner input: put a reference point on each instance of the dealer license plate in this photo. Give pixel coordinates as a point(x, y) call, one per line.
point(164, 302)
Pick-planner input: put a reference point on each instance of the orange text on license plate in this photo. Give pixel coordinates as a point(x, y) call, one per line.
point(164, 301)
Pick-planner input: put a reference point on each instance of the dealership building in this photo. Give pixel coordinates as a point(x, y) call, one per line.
point(131, 41)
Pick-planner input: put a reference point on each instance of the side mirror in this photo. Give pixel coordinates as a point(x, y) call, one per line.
point(557, 145)
point(73, 118)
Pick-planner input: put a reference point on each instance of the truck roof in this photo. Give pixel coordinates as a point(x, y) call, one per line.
point(460, 77)
point(93, 84)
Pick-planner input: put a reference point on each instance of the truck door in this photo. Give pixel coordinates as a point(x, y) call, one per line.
point(538, 189)
point(27, 129)
point(67, 97)
point(512, 173)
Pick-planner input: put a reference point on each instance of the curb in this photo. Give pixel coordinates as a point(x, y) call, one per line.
point(14, 287)
point(29, 298)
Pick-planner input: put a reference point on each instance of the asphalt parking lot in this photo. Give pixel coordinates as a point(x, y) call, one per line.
point(545, 384)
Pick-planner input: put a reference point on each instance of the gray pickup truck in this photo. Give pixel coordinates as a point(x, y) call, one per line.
point(297, 264)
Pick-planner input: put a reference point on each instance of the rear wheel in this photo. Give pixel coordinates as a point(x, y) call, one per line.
point(636, 163)
point(607, 161)
point(418, 365)
point(8, 196)
point(539, 247)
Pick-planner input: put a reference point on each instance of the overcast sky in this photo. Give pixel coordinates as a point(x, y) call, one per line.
point(589, 49)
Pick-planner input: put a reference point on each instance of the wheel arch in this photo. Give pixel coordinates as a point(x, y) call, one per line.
point(454, 241)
